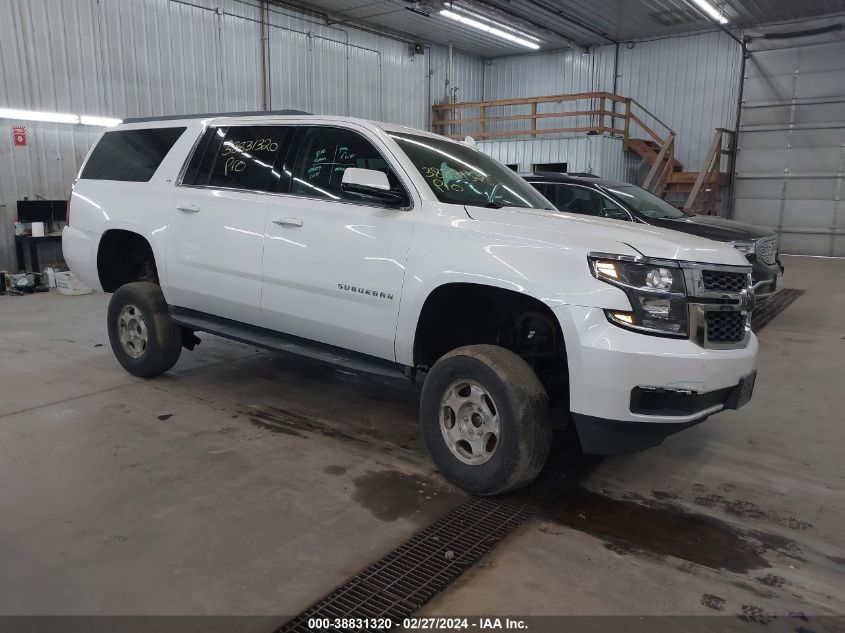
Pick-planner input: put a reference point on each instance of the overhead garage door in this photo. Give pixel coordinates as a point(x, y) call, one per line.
point(789, 173)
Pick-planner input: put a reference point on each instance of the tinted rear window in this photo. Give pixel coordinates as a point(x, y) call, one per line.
point(130, 155)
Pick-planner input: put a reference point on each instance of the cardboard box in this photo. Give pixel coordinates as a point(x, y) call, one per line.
point(68, 284)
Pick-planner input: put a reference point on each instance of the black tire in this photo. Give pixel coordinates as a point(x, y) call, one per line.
point(163, 344)
point(525, 438)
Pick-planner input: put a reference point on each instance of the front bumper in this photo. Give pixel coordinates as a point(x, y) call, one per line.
point(606, 364)
point(612, 437)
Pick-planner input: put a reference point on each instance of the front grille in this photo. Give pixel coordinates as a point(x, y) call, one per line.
point(723, 281)
point(720, 302)
point(725, 327)
point(767, 250)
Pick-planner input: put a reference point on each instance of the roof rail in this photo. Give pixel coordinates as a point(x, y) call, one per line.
point(211, 115)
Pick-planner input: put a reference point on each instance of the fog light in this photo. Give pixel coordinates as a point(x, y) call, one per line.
point(622, 317)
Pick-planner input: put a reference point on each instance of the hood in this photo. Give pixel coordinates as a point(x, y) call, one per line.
point(713, 228)
point(598, 234)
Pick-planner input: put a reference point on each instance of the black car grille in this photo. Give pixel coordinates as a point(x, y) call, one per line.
point(725, 327)
point(722, 281)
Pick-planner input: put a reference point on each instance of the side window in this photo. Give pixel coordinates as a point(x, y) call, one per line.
point(240, 157)
point(203, 158)
point(324, 153)
point(130, 155)
point(579, 200)
point(546, 190)
point(610, 209)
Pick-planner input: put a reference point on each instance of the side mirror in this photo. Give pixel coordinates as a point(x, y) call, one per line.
point(371, 185)
point(615, 214)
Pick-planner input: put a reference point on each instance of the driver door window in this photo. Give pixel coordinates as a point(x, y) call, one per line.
point(324, 153)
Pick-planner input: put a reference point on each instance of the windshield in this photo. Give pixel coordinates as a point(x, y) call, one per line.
point(646, 203)
point(458, 174)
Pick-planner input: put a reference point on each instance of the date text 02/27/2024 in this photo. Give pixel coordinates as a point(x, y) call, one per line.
point(419, 624)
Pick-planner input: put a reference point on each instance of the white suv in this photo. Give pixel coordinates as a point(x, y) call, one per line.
point(395, 250)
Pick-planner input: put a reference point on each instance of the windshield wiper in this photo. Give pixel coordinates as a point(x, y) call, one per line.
point(493, 205)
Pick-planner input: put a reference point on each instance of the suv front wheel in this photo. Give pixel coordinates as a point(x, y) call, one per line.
point(485, 419)
point(143, 337)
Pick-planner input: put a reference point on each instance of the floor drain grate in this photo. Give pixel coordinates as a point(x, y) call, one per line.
point(770, 308)
point(403, 581)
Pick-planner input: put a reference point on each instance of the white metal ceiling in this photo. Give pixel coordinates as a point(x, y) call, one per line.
point(559, 23)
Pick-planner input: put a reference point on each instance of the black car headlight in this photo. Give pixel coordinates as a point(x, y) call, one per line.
point(655, 289)
point(746, 247)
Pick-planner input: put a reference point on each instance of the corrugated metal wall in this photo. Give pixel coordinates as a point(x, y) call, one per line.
point(124, 58)
point(690, 82)
point(560, 72)
point(467, 70)
point(598, 155)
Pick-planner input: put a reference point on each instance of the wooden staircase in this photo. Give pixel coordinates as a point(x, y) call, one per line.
point(666, 173)
point(648, 150)
point(604, 114)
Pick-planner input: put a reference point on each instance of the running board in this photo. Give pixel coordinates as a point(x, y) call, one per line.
point(279, 342)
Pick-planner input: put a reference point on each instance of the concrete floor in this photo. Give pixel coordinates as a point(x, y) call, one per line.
point(770, 474)
point(241, 482)
point(245, 482)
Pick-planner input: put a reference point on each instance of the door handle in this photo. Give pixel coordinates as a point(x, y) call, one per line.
point(188, 208)
point(288, 222)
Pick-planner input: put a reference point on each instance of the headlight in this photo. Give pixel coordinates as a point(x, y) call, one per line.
point(744, 247)
point(655, 288)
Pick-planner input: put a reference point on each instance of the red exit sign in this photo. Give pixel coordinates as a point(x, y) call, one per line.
point(19, 135)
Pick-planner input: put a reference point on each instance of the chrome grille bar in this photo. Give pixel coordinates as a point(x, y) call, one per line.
point(713, 289)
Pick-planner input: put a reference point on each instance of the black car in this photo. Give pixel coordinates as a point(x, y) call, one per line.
point(624, 201)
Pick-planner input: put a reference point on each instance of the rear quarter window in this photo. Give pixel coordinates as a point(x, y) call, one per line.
point(130, 155)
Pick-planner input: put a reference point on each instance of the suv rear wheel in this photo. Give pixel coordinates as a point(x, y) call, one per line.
point(485, 419)
point(143, 337)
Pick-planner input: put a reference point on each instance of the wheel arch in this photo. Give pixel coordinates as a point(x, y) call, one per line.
point(488, 314)
point(124, 256)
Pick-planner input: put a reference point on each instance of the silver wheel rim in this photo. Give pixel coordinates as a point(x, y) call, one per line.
point(469, 421)
point(132, 331)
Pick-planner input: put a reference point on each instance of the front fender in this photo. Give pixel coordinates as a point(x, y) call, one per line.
point(555, 275)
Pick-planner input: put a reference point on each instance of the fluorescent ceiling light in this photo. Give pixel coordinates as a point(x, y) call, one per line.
point(31, 115)
point(497, 30)
point(57, 117)
point(451, 6)
point(99, 120)
point(710, 10)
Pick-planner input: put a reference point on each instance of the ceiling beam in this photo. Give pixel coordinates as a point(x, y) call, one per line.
point(543, 27)
point(539, 4)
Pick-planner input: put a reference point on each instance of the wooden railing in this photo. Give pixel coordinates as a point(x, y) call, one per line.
point(702, 197)
point(605, 113)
